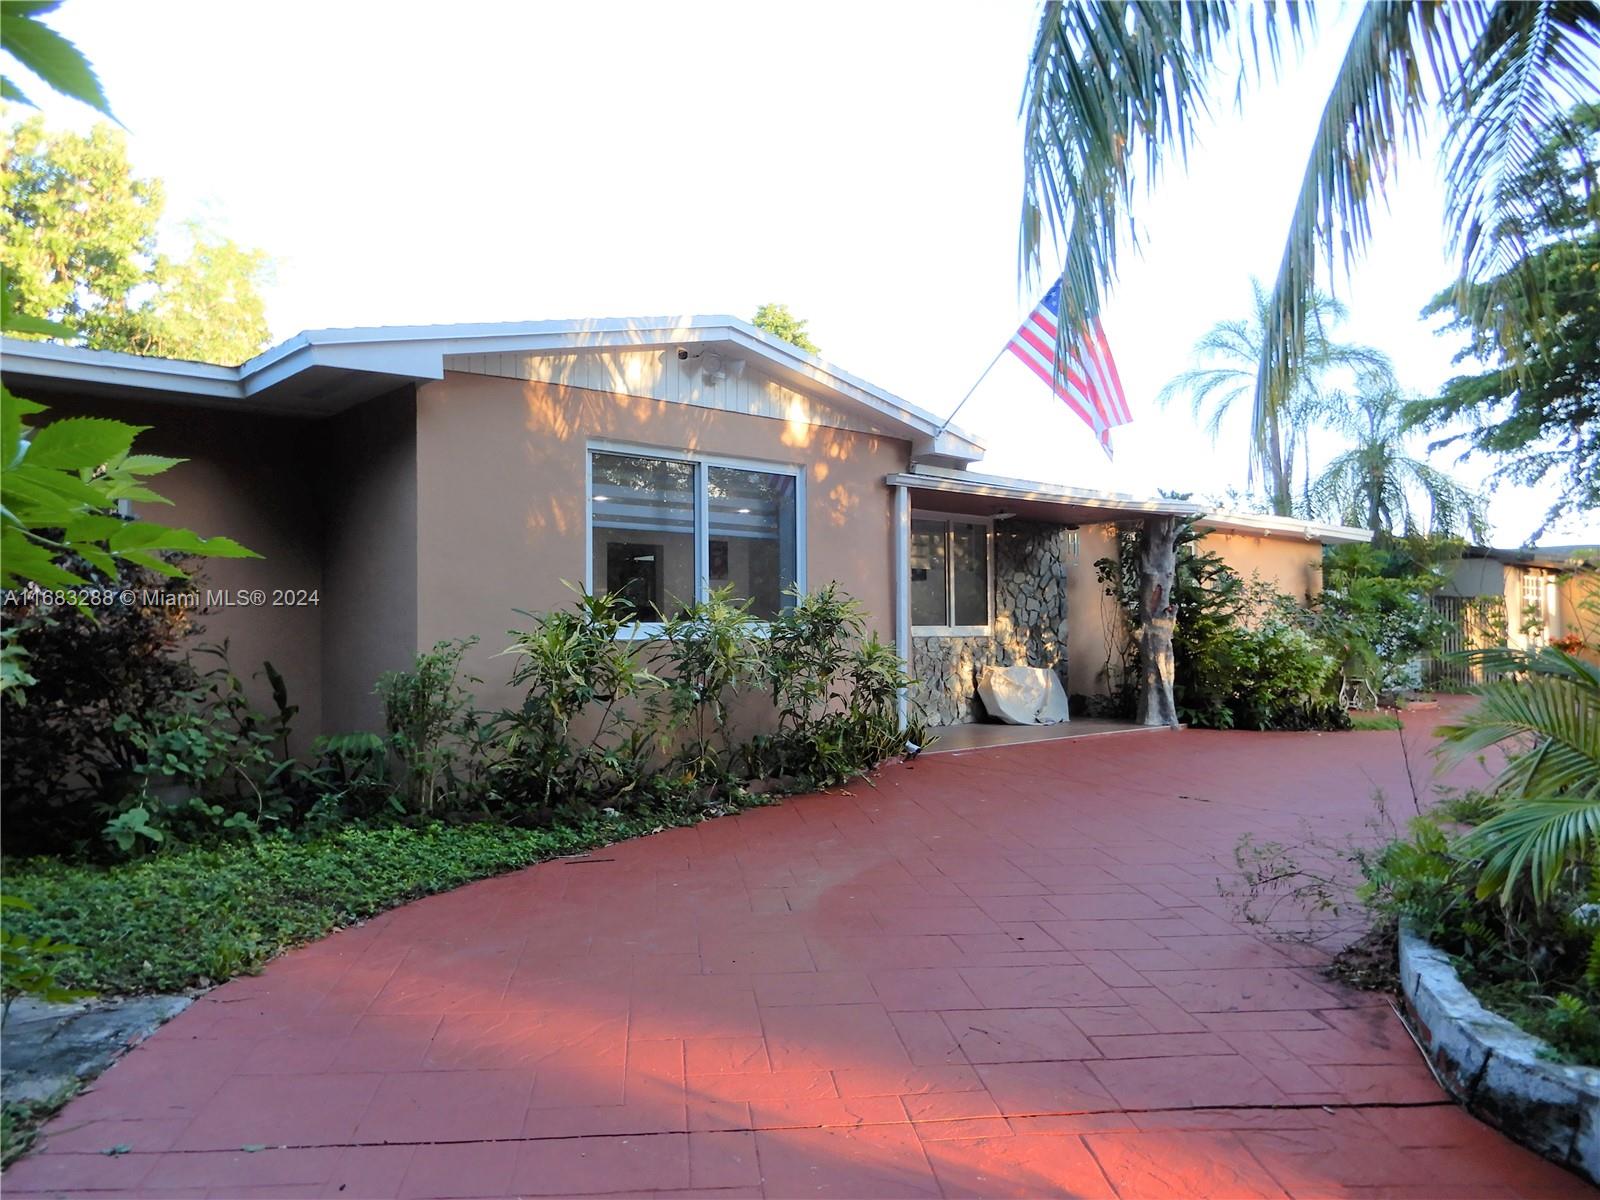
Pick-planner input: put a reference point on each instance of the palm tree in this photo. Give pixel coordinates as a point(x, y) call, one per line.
point(1377, 483)
point(1114, 87)
point(1232, 350)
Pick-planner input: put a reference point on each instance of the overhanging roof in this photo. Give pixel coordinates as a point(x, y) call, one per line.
point(1256, 525)
point(1552, 558)
point(323, 371)
point(985, 495)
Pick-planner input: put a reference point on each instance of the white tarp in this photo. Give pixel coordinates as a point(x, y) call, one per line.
point(1023, 695)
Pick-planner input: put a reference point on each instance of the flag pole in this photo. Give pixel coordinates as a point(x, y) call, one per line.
point(973, 388)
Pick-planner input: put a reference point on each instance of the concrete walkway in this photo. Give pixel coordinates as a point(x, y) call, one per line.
point(998, 973)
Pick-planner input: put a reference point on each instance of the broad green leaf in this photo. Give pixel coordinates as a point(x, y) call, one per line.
point(80, 443)
point(152, 562)
point(23, 560)
point(10, 91)
point(50, 56)
point(146, 535)
point(149, 464)
point(55, 496)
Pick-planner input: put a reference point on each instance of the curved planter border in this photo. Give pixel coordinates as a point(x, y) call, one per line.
point(1494, 1068)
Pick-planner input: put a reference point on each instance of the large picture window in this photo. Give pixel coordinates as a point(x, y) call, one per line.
point(666, 531)
point(949, 573)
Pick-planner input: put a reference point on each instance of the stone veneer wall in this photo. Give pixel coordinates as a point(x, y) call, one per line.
point(1030, 626)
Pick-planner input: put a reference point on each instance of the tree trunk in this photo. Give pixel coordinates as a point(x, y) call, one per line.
point(1282, 483)
point(1157, 619)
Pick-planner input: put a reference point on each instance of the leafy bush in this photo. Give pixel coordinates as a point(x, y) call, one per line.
point(68, 750)
point(428, 714)
point(26, 963)
point(1374, 613)
point(834, 690)
point(576, 740)
point(703, 657)
point(608, 723)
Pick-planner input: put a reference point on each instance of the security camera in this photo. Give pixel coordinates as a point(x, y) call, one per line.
point(682, 354)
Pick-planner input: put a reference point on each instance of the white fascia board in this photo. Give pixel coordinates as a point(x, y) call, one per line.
point(418, 351)
point(1286, 527)
point(965, 483)
point(109, 368)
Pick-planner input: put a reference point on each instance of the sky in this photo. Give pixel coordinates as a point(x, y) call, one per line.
point(414, 163)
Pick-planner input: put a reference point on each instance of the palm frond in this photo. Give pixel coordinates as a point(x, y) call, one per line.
point(1534, 62)
point(1550, 785)
point(1376, 107)
point(1114, 89)
point(1537, 838)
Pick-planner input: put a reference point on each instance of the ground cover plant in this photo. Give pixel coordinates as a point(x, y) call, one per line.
point(197, 916)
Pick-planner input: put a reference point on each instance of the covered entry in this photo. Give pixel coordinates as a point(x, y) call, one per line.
point(1000, 572)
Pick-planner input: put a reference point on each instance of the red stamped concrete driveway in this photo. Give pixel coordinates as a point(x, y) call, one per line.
point(998, 973)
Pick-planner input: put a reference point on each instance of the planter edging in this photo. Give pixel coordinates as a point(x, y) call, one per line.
point(1494, 1068)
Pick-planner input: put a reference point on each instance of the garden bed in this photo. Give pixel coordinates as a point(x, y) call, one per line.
point(1502, 1075)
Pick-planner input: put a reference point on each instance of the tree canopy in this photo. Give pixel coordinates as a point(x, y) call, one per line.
point(1378, 483)
point(79, 243)
point(1227, 355)
point(1537, 327)
point(777, 320)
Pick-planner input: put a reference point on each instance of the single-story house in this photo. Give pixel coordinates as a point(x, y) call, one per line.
point(1524, 599)
point(406, 485)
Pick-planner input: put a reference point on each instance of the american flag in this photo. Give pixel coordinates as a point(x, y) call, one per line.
point(1087, 381)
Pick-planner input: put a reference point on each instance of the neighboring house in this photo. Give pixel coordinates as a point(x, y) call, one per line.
point(1524, 599)
point(406, 485)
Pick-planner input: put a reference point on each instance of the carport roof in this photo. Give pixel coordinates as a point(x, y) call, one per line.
point(961, 491)
point(987, 495)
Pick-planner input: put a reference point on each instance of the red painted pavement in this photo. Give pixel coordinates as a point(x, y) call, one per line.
point(998, 973)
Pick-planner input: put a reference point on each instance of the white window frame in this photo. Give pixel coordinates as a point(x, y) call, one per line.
point(984, 630)
point(702, 513)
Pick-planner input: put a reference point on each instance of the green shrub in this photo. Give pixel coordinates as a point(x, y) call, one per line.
point(428, 715)
point(576, 742)
point(1374, 613)
point(703, 657)
point(835, 690)
point(68, 752)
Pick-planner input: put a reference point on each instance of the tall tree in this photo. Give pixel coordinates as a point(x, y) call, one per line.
point(1228, 353)
point(1378, 483)
point(777, 320)
point(1115, 88)
point(78, 240)
point(1537, 328)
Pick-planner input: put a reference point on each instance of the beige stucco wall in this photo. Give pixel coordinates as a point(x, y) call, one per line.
point(500, 499)
point(368, 458)
point(1092, 616)
point(250, 478)
point(1286, 563)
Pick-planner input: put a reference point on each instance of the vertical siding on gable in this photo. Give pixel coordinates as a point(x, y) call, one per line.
point(659, 375)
